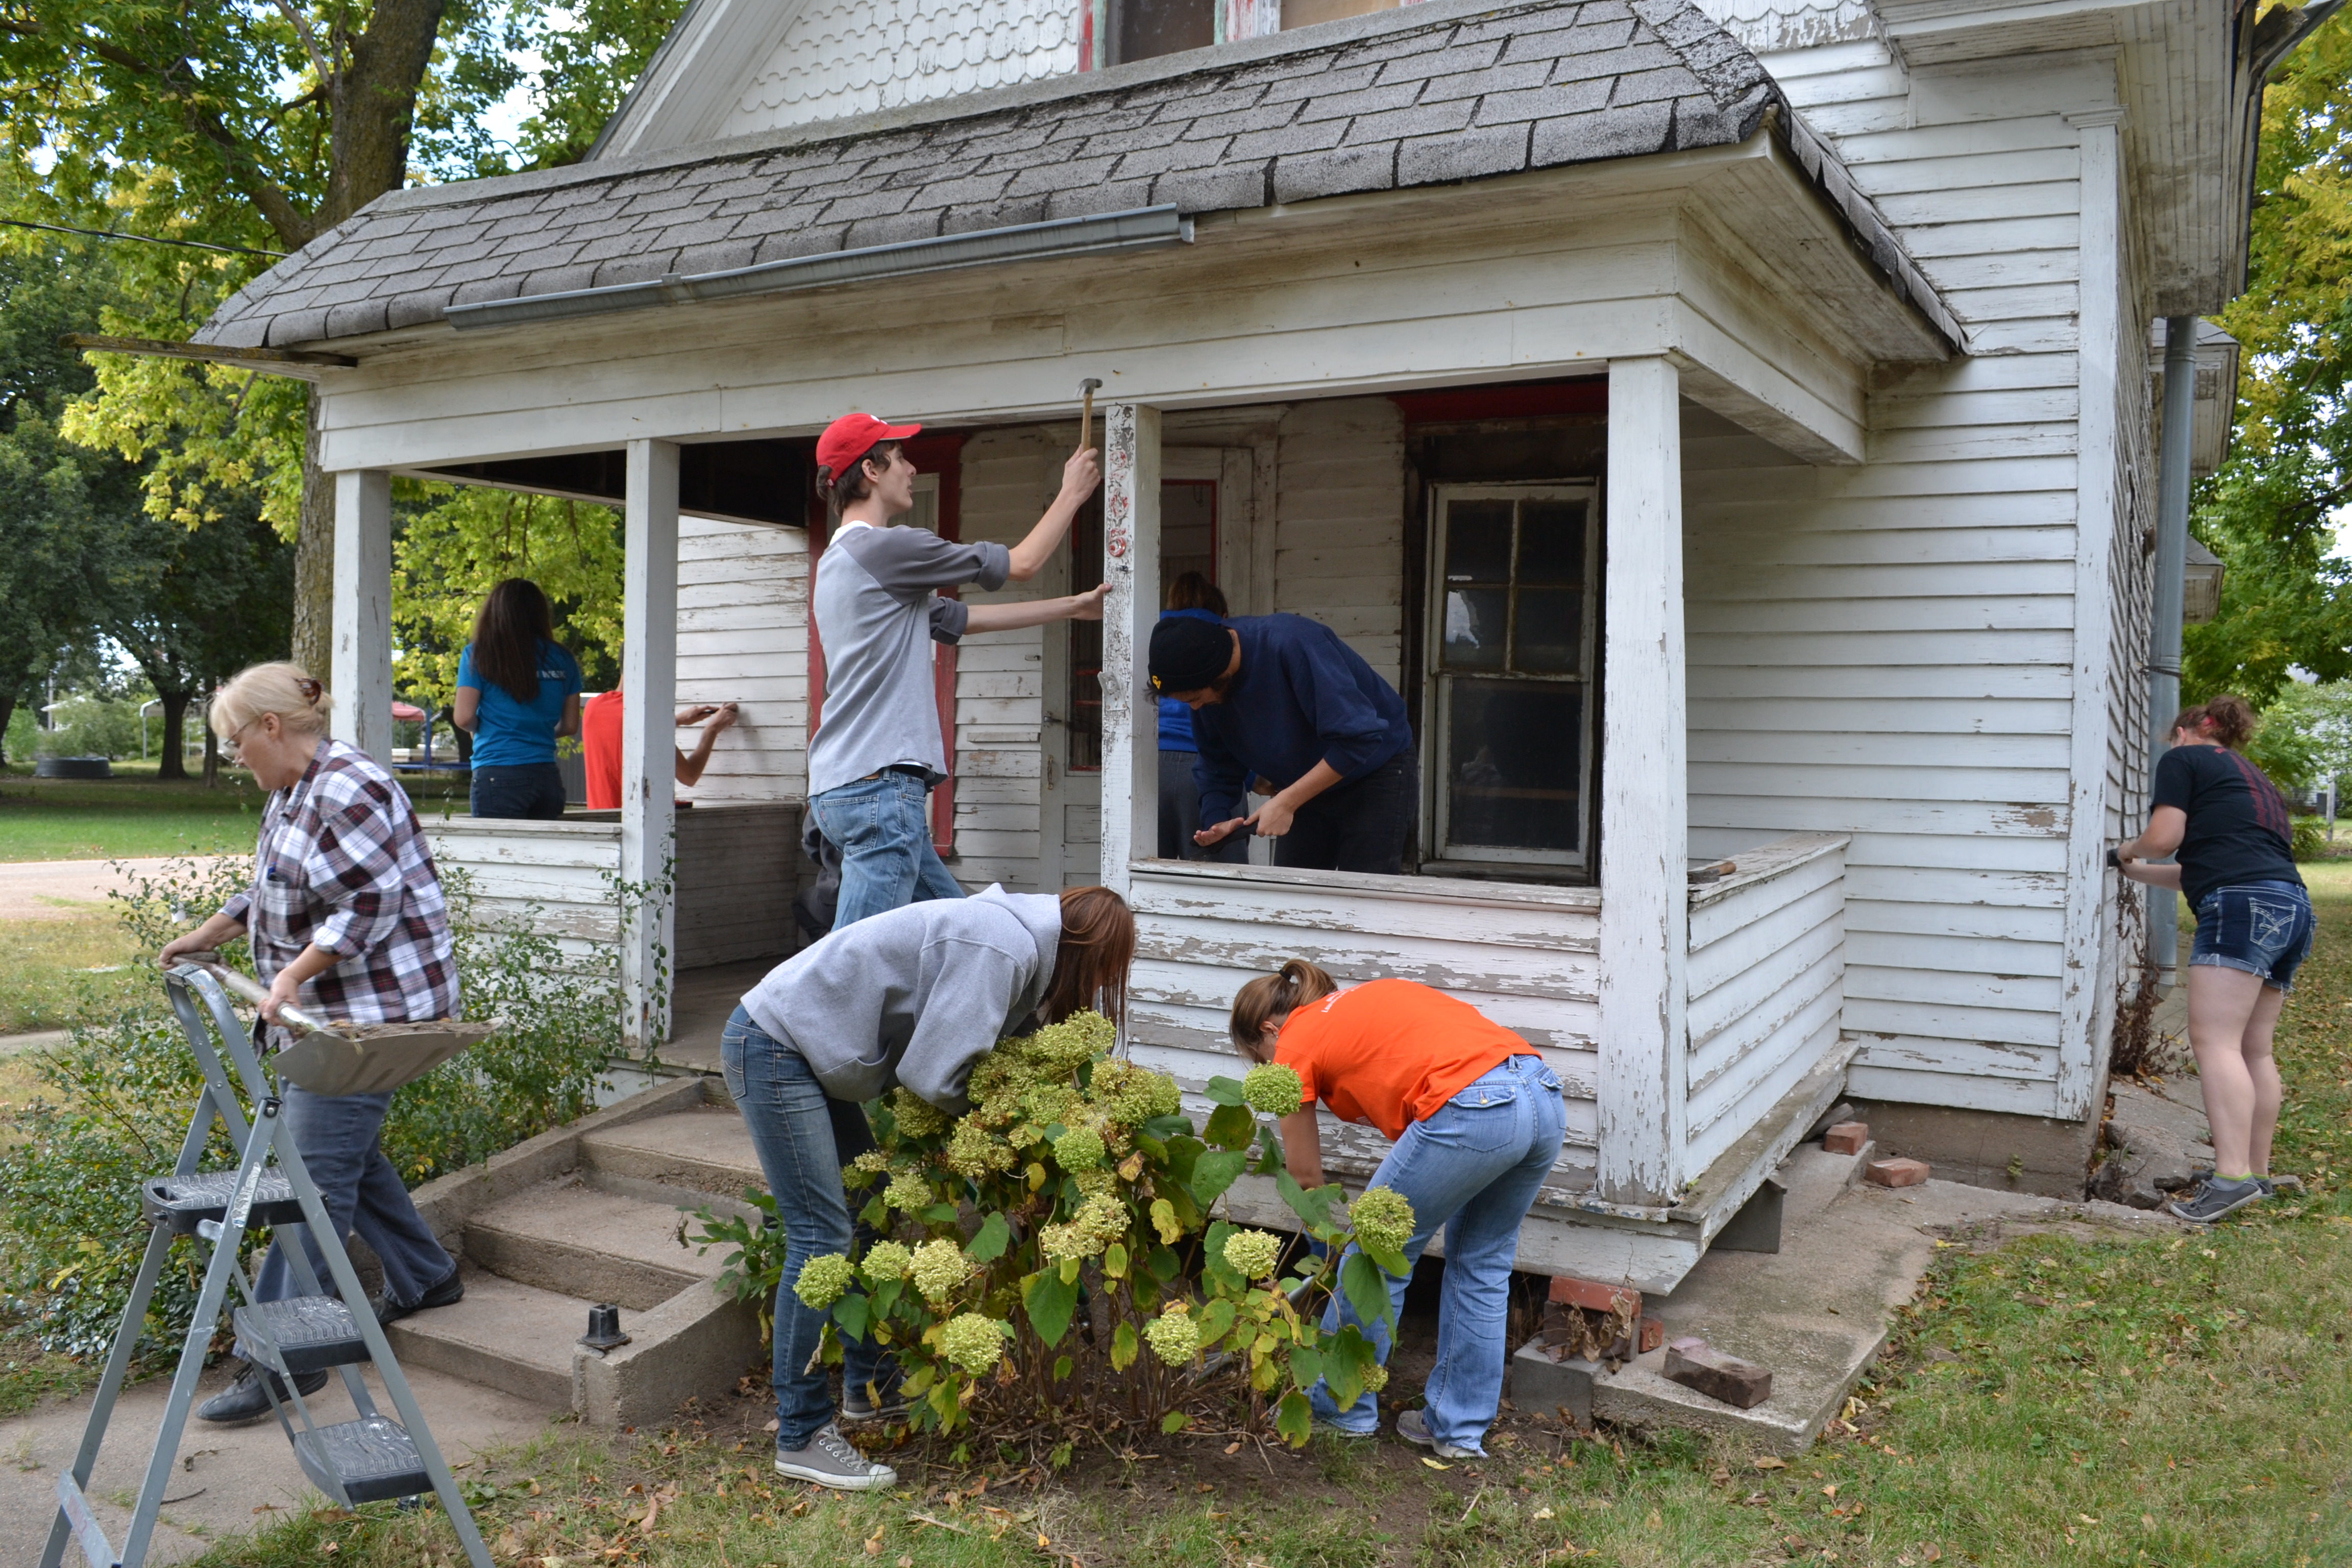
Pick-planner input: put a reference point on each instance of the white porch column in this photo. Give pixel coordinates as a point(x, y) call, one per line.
point(1644, 785)
point(649, 692)
point(362, 679)
point(1130, 740)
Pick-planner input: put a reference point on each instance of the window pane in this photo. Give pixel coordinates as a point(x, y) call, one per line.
point(1474, 628)
point(1478, 541)
point(1512, 764)
point(1552, 542)
point(1550, 631)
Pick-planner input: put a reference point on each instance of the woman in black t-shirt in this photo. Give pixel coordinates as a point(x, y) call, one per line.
point(2254, 929)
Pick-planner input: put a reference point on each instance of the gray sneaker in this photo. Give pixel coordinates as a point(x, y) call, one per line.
point(858, 1408)
point(2215, 1197)
point(1414, 1427)
point(2205, 1174)
point(831, 1460)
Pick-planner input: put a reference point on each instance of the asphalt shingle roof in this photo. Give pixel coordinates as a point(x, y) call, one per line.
point(1465, 94)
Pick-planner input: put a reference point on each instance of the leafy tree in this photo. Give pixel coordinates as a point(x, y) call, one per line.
point(53, 494)
point(458, 540)
point(199, 605)
point(2269, 513)
point(257, 127)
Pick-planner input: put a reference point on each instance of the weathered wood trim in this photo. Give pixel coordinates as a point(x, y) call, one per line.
point(362, 678)
point(649, 678)
point(1131, 730)
point(2087, 880)
point(1174, 875)
point(1644, 821)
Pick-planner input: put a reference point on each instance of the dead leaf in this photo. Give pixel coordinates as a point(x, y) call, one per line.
point(1769, 1463)
point(1425, 1459)
point(1829, 1490)
point(1234, 1447)
point(1541, 1513)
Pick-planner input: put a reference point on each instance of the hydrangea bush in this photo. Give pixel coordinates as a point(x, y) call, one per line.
point(1056, 1255)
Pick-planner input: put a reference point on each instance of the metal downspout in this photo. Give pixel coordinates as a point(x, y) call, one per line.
point(2164, 628)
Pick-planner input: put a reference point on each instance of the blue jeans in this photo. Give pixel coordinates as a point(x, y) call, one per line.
point(339, 1138)
point(533, 791)
point(1474, 1167)
point(884, 835)
point(2263, 928)
point(804, 1138)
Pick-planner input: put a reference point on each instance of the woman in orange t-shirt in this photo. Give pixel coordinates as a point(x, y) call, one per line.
point(1477, 1120)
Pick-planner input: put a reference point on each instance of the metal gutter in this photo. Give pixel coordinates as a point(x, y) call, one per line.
point(2172, 484)
point(1138, 229)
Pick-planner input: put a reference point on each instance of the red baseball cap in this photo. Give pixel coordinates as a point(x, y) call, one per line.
point(853, 435)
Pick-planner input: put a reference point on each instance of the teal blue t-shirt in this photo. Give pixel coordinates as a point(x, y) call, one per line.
point(509, 733)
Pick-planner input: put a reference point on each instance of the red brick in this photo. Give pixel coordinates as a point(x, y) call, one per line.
point(1846, 1138)
point(1897, 1172)
point(1594, 1297)
point(1696, 1364)
point(1652, 1333)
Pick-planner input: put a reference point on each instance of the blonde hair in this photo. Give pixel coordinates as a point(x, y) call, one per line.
point(1271, 998)
point(286, 690)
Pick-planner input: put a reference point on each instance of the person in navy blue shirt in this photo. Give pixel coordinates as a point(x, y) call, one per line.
point(1193, 595)
point(518, 691)
point(1282, 697)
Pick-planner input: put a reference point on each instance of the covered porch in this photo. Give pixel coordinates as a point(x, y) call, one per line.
point(1613, 341)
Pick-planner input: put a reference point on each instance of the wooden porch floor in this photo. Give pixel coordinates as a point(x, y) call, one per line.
point(701, 1003)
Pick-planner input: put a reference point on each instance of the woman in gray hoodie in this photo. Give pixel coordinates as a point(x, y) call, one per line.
point(911, 998)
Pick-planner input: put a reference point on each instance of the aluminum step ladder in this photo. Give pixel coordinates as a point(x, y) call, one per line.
point(364, 1460)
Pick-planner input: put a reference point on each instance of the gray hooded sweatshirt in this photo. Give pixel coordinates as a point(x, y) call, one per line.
point(914, 996)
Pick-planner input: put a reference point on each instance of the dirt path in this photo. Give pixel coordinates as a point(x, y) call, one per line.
point(65, 889)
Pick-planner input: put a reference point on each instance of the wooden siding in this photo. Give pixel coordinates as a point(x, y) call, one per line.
point(557, 877)
point(742, 636)
point(1765, 987)
point(1525, 956)
point(735, 878)
point(1889, 651)
point(1003, 697)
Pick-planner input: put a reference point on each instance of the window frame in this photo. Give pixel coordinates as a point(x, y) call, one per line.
point(1439, 854)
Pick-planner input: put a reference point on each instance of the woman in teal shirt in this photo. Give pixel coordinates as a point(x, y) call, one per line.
point(517, 691)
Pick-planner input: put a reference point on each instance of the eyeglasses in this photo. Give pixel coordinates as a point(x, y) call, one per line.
point(234, 745)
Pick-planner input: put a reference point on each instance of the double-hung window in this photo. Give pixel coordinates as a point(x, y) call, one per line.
point(1513, 571)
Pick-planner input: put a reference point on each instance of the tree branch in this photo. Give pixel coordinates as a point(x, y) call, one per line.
point(310, 43)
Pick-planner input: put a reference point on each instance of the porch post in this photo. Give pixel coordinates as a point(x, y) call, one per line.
point(362, 678)
point(1644, 784)
point(649, 692)
point(1130, 739)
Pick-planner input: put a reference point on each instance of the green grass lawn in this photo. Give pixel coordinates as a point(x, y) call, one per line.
point(138, 815)
point(2170, 1400)
point(56, 973)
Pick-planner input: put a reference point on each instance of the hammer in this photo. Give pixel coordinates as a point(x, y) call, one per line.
point(1087, 411)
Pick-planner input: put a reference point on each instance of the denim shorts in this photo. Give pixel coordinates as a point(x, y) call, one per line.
point(2263, 928)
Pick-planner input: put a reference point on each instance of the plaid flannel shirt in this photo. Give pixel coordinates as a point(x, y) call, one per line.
point(343, 866)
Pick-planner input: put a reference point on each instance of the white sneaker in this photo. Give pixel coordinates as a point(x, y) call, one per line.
point(831, 1460)
point(1414, 1427)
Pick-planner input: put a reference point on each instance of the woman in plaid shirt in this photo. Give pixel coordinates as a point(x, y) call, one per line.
point(347, 922)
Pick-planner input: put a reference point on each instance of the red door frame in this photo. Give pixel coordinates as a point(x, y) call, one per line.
point(934, 454)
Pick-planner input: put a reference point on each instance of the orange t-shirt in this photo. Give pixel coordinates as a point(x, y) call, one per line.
point(1391, 1052)
point(600, 748)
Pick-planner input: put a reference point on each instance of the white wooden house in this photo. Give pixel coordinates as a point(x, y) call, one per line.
point(1785, 365)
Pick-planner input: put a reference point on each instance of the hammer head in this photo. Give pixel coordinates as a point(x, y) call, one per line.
point(1087, 387)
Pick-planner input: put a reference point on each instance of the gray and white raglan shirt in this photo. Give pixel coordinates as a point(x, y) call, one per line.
point(877, 610)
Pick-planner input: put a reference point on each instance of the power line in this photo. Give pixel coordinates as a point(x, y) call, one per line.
point(147, 238)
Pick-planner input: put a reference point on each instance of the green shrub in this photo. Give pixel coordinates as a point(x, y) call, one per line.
point(1051, 1257)
point(120, 1097)
point(95, 727)
point(2310, 838)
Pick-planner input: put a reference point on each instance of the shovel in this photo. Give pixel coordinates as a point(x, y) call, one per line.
point(353, 1058)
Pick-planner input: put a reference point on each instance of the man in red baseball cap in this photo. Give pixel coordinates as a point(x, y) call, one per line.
point(876, 752)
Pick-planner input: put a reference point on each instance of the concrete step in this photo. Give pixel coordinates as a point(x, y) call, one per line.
point(504, 1335)
point(591, 1245)
point(684, 1157)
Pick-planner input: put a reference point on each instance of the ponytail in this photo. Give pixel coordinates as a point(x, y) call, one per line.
point(1271, 998)
point(2228, 718)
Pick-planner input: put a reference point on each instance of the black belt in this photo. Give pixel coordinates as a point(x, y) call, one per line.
point(907, 768)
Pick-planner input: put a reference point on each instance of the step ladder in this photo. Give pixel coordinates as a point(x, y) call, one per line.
point(364, 1460)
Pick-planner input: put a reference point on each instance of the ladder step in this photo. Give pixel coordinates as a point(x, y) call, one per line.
point(303, 1333)
point(187, 1201)
point(366, 1460)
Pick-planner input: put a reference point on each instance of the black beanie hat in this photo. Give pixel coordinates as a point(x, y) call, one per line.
point(1187, 654)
